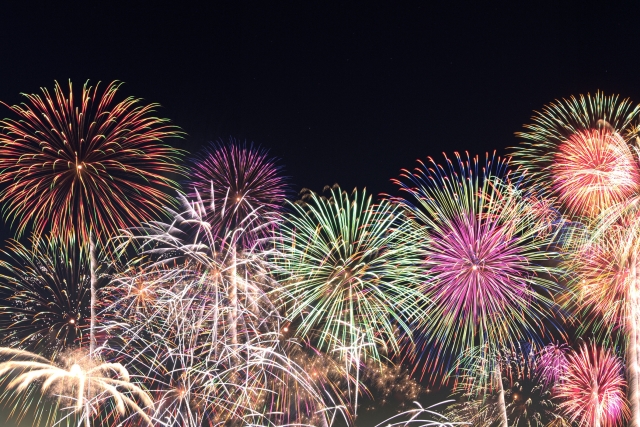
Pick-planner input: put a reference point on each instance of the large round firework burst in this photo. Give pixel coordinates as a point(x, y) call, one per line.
point(483, 255)
point(593, 388)
point(46, 290)
point(243, 177)
point(349, 278)
point(96, 164)
point(580, 148)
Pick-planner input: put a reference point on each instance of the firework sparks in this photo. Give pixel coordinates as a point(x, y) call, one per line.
point(83, 382)
point(204, 335)
point(97, 165)
point(47, 309)
point(581, 147)
point(483, 249)
point(243, 178)
point(593, 388)
point(349, 273)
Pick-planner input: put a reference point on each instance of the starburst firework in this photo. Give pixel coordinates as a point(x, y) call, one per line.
point(243, 180)
point(349, 278)
point(593, 388)
point(47, 295)
point(580, 146)
point(483, 255)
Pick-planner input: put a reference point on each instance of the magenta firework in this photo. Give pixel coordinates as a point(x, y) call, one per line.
point(482, 254)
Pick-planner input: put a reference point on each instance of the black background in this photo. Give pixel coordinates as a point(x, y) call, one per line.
point(340, 92)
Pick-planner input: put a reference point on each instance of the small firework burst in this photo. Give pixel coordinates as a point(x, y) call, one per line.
point(593, 388)
point(47, 289)
point(82, 387)
point(245, 178)
point(552, 363)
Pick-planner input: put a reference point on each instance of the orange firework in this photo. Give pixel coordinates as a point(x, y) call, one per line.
point(96, 164)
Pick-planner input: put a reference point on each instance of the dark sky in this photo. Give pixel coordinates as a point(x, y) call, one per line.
point(340, 92)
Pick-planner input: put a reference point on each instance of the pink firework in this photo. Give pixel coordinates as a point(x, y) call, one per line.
point(483, 248)
point(552, 363)
point(243, 179)
point(593, 388)
point(582, 146)
point(594, 169)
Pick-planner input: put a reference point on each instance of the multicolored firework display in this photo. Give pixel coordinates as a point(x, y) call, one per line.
point(483, 256)
point(241, 308)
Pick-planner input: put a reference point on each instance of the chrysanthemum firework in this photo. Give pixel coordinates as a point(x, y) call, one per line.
point(243, 177)
point(47, 295)
point(483, 256)
point(593, 388)
point(579, 147)
point(349, 276)
point(88, 164)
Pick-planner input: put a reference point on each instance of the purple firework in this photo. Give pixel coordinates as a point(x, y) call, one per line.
point(552, 363)
point(244, 181)
point(483, 248)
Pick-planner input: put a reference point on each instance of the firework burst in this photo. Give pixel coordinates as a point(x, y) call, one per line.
point(245, 178)
point(593, 388)
point(519, 392)
point(193, 315)
point(349, 278)
point(47, 295)
point(483, 250)
point(81, 386)
point(581, 147)
point(94, 165)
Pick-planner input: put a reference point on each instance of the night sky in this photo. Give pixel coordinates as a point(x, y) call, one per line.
point(340, 92)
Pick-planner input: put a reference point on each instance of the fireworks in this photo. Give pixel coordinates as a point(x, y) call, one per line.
point(483, 249)
point(349, 277)
point(47, 309)
point(593, 388)
point(552, 363)
point(242, 177)
point(237, 310)
point(579, 147)
point(519, 393)
point(202, 332)
point(82, 382)
point(94, 165)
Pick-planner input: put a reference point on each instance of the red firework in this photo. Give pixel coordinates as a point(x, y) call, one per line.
point(96, 164)
point(593, 388)
point(594, 169)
